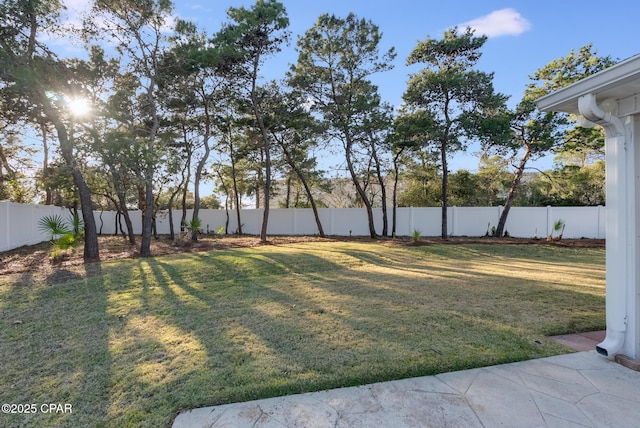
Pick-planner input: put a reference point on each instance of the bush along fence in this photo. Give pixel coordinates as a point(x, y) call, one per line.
point(19, 222)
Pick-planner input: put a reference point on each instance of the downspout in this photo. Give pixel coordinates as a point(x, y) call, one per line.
point(615, 291)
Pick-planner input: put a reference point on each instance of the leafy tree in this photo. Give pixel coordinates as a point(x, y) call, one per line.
point(37, 87)
point(378, 129)
point(137, 29)
point(465, 189)
point(538, 133)
point(535, 132)
point(572, 185)
point(196, 80)
point(15, 157)
point(336, 58)
point(451, 97)
point(293, 130)
point(494, 178)
point(254, 35)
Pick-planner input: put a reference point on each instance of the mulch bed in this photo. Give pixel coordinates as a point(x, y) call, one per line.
point(30, 263)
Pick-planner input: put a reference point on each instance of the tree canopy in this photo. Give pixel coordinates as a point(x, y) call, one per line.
point(173, 108)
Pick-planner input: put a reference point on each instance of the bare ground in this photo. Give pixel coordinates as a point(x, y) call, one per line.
point(34, 263)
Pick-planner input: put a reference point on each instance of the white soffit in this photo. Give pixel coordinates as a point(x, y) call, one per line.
point(621, 81)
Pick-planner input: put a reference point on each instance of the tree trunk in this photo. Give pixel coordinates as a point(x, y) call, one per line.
point(288, 197)
point(361, 192)
point(198, 176)
point(91, 251)
point(183, 219)
point(383, 188)
point(267, 189)
point(236, 196)
point(267, 150)
point(226, 202)
point(172, 232)
point(48, 199)
point(512, 192)
point(445, 191)
point(307, 189)
point(147, 216)
point(123, 209)
point(394, 202)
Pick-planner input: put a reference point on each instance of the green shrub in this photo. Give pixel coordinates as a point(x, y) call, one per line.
point(53, 225)
point(66, 241)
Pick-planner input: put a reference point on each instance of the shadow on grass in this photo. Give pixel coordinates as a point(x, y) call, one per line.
point(204, 329)
point(58, 354)
point(328, 327)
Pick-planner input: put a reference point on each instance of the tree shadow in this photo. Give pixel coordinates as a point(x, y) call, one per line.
point(147, 337)
point(62, 343)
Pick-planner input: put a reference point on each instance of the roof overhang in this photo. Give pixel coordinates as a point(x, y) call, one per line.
point(620, 82)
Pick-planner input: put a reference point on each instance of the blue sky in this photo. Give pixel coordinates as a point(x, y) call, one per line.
point(523, 35)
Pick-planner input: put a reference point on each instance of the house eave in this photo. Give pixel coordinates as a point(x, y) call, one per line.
point(617, 82)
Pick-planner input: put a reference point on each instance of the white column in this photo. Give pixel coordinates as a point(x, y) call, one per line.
point(621, 243)
point(632, 345)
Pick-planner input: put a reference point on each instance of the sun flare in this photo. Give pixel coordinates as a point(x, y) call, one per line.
point(79, 106)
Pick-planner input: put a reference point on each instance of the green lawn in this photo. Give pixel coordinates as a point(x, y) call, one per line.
point(132, 342)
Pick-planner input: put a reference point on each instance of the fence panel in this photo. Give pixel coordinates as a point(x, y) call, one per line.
point(474, 221)
point(527, 222)
point(18, 222)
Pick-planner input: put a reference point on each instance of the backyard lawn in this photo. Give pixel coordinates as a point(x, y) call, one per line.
point(132, 342)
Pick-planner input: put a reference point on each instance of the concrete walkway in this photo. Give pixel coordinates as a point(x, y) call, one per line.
point(572, 390)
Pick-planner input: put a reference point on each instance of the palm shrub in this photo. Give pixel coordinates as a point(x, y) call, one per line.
point(194, 224)
point(558, 226)
point(77, 225)
point(64, 234)
point(54, 226)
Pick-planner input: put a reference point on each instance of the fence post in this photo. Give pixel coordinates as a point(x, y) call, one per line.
point(549, 221)
point(295, 221)
point(412, 225)
point(600, 221)
point(331, 221)
point(454, 220)
point(32, 227)
point(6, 224)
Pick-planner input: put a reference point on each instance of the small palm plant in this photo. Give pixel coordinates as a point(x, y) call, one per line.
point(77, 225)
point(54, 226)
point(416, 235)
point(558, 226)
point(194, 226)
point(64, 234)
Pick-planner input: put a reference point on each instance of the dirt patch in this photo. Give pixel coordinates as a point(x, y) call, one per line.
point(33, 263)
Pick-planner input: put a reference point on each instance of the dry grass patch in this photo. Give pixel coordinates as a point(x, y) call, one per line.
point(134, 341)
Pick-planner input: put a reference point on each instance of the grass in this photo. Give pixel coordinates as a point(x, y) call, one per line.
point(135, 341)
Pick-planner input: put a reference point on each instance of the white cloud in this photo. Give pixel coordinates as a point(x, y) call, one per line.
point(503, 22)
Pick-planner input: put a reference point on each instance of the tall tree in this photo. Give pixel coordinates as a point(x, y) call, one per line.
point(38, 87)
point(255, 34)
point(336, 59)
point(295, 131)
point(378, 129)
point(138, 30)
point(196, 80)
point(535, 134)
point(450, 92)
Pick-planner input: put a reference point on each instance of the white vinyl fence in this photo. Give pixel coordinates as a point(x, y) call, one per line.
point(18, 222)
